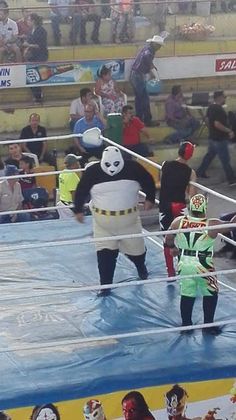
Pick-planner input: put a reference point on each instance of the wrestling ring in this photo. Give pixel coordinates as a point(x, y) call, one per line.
point(62, 344)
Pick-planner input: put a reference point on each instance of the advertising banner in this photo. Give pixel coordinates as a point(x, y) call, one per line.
point(12, 76)
point(225, 64)
point(69, 73)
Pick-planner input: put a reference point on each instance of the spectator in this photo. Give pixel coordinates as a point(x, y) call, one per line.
point(133, 127)
point(142, 66)
point(161, 10)
point(68, 182)
point(36, 48)
point(135, 407)
point(219, 134)
point(24, 27)
point(93, 409)
point(39, 148)
point(91, 119)
point(4, 416)
point(36, 44)
point(61, 12)
point(47, 411)
point(15, 155)
point(26, 167)
point(88, 14)
point(77, 106)
point(176, 402)
point(179, 117)
point(11, 197)
point(228, 247)
point(112, 97)
point(8, 36)
point(122, 18)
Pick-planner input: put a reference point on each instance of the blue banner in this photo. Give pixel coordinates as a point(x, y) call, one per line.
point(71, 72)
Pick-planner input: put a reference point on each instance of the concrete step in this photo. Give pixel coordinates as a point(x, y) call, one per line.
point(55, 114)
point(172, 48)
point(13, 98)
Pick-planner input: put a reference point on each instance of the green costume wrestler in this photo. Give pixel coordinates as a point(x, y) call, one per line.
point(195, 255)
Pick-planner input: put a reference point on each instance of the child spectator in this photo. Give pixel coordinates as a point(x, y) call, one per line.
point(15, 154)
point(112, 98)
point(68, 182)
point(26, 167)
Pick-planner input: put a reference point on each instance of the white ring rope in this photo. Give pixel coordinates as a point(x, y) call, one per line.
point(156, 165)
point(35, 174)
point(156, 242)
point(58, 289)
point(110, 238)
point(62, 343)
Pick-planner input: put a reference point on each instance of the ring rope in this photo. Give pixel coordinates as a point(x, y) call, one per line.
point(57, 289)
point(35, 174)
point(156, 165)
point(110, 238)
point(62, 343)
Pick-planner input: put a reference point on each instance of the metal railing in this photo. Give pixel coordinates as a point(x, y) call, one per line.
point(107, 23)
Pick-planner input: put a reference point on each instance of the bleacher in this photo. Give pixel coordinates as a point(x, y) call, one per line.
point(16, 104)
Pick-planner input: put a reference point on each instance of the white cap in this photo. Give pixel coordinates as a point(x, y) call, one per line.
point(157, 39)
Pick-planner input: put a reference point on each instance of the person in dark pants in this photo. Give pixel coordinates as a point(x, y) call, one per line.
point(35, 48)
point(175, 183)
point(142, 66)
point(219, 134)
point(195, 252)
point(228, 247)
point(88, 14)
point(113, 185)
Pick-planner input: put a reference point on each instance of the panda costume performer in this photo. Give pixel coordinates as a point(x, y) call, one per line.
point(113, 185)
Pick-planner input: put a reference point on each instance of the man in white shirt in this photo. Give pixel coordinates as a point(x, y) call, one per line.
point(11, 198)
point(77, 106)
point(8, 35)
point(61, 12)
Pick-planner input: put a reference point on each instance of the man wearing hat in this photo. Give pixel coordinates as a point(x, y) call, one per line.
point(11, 197)
point(142, 66)
point(68, 182)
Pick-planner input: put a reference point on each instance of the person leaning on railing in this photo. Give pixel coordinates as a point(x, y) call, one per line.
point(35, 48)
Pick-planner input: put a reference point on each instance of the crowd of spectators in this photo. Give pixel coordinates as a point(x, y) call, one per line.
point(26, 39)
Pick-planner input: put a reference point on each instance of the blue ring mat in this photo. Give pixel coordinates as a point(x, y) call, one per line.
point(40, 375)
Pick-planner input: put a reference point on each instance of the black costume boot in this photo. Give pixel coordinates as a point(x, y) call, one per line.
point(106, 259)
point(209, 308)
point(186, 310)
point(139, 262)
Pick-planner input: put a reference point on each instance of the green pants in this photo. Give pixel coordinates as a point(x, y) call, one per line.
point(192, 286)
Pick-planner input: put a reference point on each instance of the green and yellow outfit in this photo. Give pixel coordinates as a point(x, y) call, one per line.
point(196, 257)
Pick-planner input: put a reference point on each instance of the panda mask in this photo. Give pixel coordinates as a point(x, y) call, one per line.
point(112, 161)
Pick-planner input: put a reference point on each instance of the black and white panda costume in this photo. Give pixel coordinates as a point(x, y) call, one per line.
point(113, 185)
